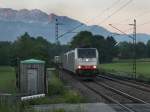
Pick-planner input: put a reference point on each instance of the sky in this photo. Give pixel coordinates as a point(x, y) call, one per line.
point(119, 13)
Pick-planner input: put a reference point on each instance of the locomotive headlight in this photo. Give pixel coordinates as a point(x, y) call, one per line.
point(86, 59)
point(79, 67)
point(94, 67)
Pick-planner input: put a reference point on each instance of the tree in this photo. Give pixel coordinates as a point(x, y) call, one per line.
point(83, 39)
point(125, 50)
point(5, 53)
point(27, 47)
point(148, 48)
point(106, 47)
point(99, 42)
point(141, 50)
point(111, 49)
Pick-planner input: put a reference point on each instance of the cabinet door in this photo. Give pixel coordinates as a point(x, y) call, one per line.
point(32, 81)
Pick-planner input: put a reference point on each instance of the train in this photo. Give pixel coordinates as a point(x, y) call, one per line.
point(81, 61)
point(57, 60)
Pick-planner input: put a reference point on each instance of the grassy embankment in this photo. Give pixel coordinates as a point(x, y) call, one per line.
point(126, 66)
point(7, 80)
point(8, 85)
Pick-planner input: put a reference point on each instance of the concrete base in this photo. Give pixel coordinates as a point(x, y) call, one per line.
point(88, 107)
point(134, 107)
point(92, 107)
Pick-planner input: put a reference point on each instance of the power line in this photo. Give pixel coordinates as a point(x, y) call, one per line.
point(111, 6)
point(141, 15)
point(134, 43)
point(107, 9)
point(142, 24)
point(57, 30)
point(69, 31)
point(80, 25)
point(134, 47)
point(145, 23)
point(120, 31)
point(115, 12)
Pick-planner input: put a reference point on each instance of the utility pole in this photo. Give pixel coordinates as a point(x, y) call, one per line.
point(134, 44)
point(57, 24)
point(134, 48)
point(56, 31)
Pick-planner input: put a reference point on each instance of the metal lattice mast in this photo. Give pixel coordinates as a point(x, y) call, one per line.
point(56, 31)
point(134, 48)
point(134, 44)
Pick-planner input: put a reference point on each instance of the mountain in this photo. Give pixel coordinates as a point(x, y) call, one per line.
point(14, 23)
point(24, 15)
point(141, 37)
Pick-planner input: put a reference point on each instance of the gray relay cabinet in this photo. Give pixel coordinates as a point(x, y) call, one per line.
point(32, 77)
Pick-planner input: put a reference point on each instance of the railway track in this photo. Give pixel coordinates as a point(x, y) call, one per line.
point(134, 99)
point(145, 84)
point(91, 96)
point(138, 85)
point(132, 89)
point(109, 97)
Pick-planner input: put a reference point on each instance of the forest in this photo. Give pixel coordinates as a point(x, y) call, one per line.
point(26, 47)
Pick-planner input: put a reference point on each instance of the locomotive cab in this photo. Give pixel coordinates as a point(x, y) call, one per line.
point(86, 62)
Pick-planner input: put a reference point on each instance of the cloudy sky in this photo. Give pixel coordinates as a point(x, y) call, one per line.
point(101, 12)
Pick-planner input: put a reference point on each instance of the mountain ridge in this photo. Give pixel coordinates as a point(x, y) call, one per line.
point(14, 23)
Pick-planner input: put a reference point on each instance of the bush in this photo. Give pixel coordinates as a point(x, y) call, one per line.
point(10, 108)
point(55, 87)
point(141, 77)
point(73, 97)
point(37, 101)
point(59, 110)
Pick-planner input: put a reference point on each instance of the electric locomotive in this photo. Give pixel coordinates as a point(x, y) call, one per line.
point(81, 61)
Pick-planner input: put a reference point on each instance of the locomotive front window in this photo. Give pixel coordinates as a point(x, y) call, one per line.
point(86, 53)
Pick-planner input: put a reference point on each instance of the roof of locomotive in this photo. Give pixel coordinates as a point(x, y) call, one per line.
point(76, 49)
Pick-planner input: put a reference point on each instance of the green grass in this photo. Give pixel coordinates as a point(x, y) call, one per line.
point(54, 110)
point(7, 80)
point(143, 68)
point(10, 108)
point(65, 95)
point(55, 85)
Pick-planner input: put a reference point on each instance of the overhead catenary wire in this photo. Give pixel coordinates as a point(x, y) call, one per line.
point(107, 9)
point(141, 15)
point(124, 32)
point(139, 25)
point(80, 25)
point(145, 23)
point(116, 11)
point(120, 31)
